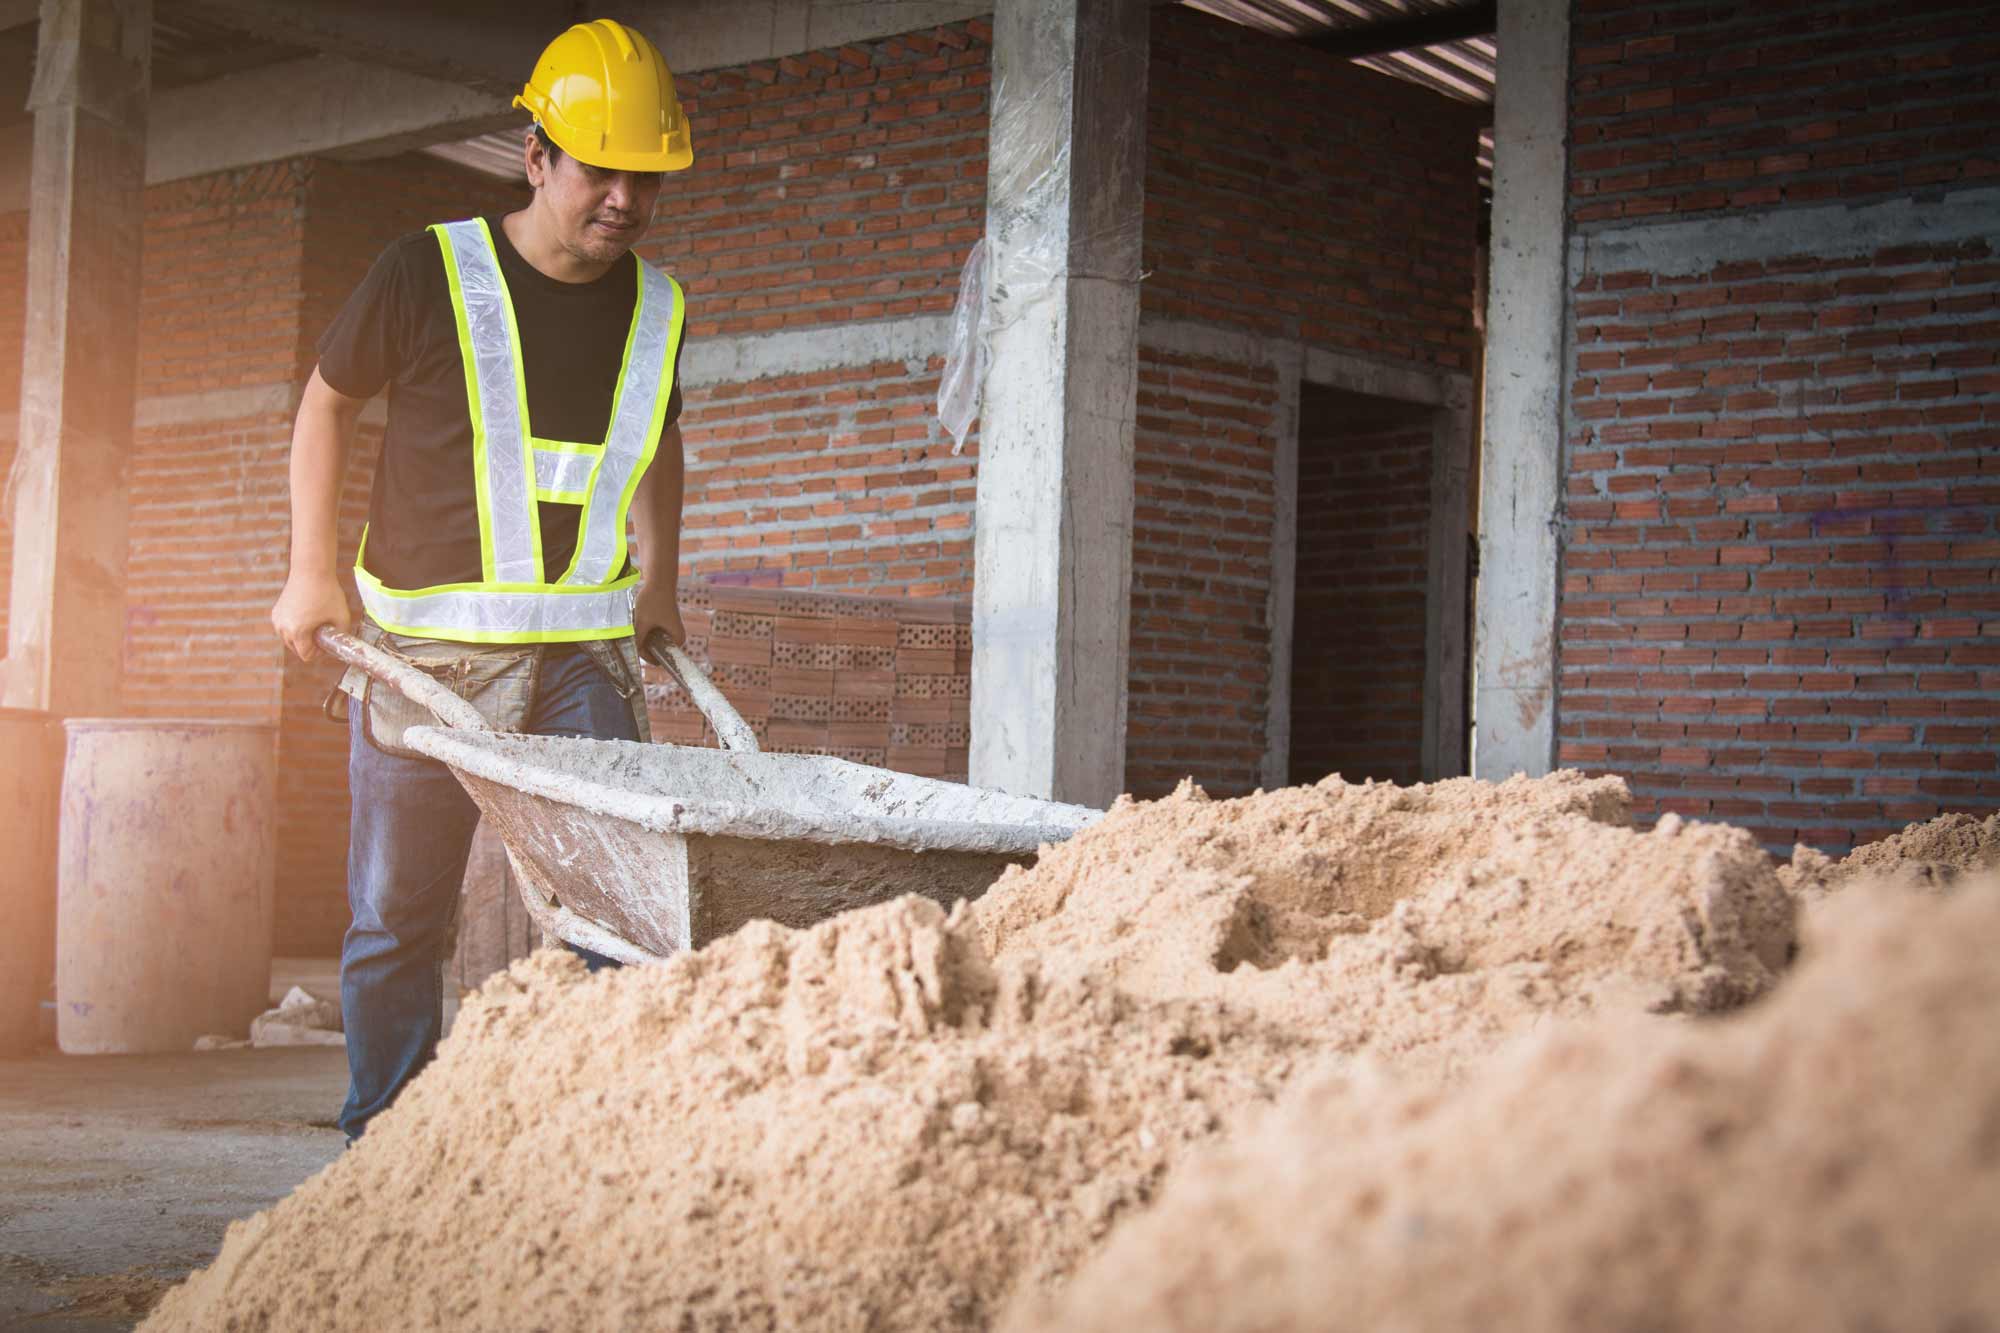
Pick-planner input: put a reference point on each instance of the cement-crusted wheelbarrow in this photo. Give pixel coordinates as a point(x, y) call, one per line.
point(641, 851)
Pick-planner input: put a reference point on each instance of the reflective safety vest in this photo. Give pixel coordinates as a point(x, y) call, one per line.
point(514, 472)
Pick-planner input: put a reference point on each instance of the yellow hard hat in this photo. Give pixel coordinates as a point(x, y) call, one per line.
point(605, 95)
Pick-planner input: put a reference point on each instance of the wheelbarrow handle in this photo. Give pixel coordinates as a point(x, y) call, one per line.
point(730, 728)
point(415, 685)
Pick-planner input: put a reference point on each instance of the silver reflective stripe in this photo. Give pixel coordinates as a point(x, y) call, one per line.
point(600, 550)
point(479, 614)
point(509, 484)
point(563, 472)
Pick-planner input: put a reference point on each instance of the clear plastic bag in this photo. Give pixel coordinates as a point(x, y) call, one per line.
point(965, 359)
point(1029, 251)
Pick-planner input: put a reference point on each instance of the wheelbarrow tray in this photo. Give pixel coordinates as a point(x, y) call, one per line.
point(643, 851)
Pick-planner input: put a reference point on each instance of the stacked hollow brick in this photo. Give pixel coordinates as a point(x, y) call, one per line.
point(876, 680)
point(1781, 597)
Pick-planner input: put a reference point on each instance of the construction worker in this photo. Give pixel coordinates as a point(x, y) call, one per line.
point(531, 364)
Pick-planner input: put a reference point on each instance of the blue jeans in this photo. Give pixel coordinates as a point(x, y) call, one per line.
point(409, 838)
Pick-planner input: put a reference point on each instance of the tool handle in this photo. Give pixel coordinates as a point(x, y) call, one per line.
point(419, 688)
point(730, 728)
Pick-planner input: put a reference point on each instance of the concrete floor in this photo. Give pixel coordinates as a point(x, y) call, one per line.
point(119, 1174)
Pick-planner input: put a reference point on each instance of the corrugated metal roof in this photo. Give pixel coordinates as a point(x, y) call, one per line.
point(496, 154)
point(1463, 70)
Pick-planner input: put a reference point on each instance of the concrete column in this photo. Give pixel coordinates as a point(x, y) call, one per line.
point(1280, 607)
point(1445, 588)
point(66, 623)
point(1520, 473)
point(1053, 541)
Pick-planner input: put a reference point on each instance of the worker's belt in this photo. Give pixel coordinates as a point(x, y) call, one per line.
point(497, 679)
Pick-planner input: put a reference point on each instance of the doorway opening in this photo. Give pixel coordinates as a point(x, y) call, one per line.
point(1378, 622)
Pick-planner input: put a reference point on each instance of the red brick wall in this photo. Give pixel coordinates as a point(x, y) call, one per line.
point(218, 311)
point(1693, 107)
point(1360, 596)
point(832, 187)
point(1201, 574)
point(840, 479)
point(1295, 194)
point(838, 187)
point(1781, 599)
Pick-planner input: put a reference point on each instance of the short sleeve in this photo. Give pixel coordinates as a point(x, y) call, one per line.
point(368, 341)
point(674, 394)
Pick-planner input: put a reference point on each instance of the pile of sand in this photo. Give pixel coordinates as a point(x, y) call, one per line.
point(903, 1120)
point(864, 1125)
point(1928, 858)
point(1425, 923)
point(1830, 1159)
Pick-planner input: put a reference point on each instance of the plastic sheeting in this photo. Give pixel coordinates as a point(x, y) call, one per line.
point(1029, 250)
point(965, 359)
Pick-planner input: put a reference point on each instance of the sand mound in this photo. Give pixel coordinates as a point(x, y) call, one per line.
point(1829, 1160)
point(1314, 861)
point(860, 1126)
point(879, 1123)
point(1398, 920)
point(1926, 857)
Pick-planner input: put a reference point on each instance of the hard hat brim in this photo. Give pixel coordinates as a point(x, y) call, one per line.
point(668, 157)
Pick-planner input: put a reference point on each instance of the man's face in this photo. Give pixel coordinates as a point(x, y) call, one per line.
point(598, 214)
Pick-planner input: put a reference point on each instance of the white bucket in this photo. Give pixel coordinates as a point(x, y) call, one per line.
point(163, 913)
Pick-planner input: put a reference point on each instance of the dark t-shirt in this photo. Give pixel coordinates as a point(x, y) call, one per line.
point(398, 330)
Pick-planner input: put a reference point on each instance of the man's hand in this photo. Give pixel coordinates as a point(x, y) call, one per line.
point(658, 608)
point(305, 605)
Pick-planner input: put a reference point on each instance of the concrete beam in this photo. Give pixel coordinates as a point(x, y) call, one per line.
point(719, 35)
point(322, 104)
point(492, 47)
point(1514, 702)
point(470, 42)
point(66, 624)
point(1053, 531)
point(1831, 231)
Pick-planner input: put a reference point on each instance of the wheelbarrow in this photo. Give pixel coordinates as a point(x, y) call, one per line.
point(641, 851)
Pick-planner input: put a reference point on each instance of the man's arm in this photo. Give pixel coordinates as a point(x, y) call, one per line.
point(313, 595)
point(656, 513)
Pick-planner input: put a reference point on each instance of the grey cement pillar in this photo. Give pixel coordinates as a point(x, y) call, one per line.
point(1520, 474)
point(1053, 537)
point(66, 622)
